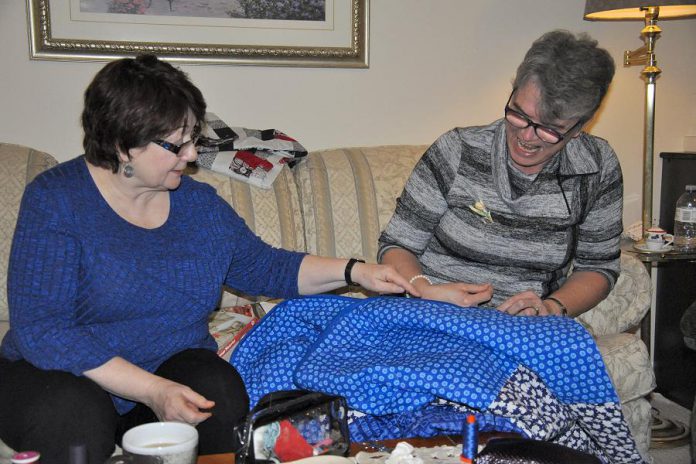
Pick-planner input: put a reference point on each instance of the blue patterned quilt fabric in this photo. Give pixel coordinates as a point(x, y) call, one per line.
point(412, 367)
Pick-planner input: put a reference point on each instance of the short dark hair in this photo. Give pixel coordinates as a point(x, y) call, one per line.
point(132, 101)
point(573, 74)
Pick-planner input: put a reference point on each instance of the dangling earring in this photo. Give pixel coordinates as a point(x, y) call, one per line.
point(128, 170)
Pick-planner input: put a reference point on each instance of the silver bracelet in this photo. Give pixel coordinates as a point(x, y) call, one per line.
point(420, 276)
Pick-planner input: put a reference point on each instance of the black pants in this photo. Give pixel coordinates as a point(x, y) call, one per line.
point(47, 411)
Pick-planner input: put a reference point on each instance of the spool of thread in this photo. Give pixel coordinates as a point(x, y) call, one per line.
point(26, 457)
point(78, 454)
point(469, 440)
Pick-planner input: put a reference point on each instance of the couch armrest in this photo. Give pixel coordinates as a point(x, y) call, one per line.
point(18, 166)
point(626, 304)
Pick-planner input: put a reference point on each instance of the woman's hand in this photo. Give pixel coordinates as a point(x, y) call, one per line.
point(459, 293)
point(381, 278)
point(526, 303)
point(173, 401)
point(320, 274)
point(168, 399)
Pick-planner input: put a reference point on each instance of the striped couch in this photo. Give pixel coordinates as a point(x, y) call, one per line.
point(335, 203)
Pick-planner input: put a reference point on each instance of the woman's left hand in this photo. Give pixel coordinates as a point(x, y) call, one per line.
point(526, 303)
point(381, 278)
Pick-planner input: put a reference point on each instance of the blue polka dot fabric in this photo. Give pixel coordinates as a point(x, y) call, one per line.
point(396, 360)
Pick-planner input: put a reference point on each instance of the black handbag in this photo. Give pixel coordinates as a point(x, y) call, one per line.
point(525, 451)
point(286, 426)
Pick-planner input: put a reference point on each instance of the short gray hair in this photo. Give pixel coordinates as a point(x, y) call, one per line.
point(573, 74)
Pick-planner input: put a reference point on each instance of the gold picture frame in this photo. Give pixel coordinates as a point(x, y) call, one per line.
point(57, 33)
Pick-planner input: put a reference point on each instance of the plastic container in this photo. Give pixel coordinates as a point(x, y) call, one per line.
point(26, 457)
point(685, 221)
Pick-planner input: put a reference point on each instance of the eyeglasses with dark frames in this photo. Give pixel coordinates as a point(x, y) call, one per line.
point(546, 134)
point(176, 149)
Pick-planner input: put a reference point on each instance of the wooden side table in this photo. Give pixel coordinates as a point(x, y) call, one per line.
point(447, 440)
point(227, 458)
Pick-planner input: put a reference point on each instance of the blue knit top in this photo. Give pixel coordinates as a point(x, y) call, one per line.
point(84, 285)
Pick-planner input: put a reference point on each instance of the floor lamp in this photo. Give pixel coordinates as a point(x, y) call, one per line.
point(648, 11)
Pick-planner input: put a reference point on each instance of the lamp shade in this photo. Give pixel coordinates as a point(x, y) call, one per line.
point(607, 10)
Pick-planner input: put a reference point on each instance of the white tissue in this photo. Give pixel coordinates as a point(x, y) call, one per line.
point(403, 454)
point(634, 231)
point(260, 451)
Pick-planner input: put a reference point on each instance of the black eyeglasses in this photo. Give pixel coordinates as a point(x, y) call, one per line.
point(546, 134)
point(176, 149)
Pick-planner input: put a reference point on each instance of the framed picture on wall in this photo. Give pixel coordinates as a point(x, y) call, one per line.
point(309, 33)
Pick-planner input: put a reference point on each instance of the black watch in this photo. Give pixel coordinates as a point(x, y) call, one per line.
point(349, 269)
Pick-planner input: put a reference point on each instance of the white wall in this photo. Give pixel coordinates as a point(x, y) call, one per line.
point(434, 64)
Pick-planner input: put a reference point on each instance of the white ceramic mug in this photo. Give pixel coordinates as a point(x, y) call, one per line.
point(657, 238)
point(159, 443)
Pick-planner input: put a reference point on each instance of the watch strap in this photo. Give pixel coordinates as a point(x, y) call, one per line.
point(349, 270)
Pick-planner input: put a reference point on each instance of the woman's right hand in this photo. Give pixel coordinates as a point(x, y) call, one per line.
point(173, 401)
point(459, 293)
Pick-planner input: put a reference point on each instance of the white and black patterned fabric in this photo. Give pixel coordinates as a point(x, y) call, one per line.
point(411, 367)
point(254, 156)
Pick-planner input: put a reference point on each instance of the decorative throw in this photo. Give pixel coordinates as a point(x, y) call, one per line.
point(250, 155)
point(412, 367)
point(228, 325)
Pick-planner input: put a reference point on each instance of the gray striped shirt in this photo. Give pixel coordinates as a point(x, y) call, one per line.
point(534, 236)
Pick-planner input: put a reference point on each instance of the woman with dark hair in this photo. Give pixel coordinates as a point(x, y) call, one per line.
point(117, 261)
point(496, 215)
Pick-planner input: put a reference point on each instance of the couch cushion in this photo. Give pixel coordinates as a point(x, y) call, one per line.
point(332, 182)
point(627, 303)
point(628, 365)
point(18, 166)
point(273, 214)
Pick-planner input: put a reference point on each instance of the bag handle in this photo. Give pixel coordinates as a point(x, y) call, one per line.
point(273, 397)
point(242, 431)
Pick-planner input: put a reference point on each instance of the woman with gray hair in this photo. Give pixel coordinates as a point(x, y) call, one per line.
point(496, 215)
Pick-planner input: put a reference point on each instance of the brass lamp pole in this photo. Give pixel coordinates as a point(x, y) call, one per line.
point(649, 11)
point(646, 55)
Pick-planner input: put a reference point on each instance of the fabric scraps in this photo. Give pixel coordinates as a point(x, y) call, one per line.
point(249, 155)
